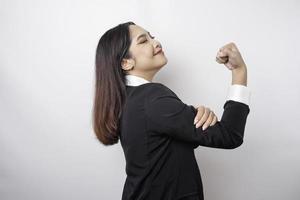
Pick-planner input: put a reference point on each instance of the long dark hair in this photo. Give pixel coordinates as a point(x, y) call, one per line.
point(110, 86)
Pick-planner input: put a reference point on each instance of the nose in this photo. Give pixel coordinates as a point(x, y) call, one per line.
point(158, 45)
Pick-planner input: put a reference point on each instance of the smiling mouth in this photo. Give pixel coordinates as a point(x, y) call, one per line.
point(160, 52)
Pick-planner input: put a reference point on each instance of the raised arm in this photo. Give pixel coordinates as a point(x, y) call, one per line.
point(168, 115)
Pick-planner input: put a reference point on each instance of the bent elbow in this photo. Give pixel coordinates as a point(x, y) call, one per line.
point(237, 139)
point(236, 144)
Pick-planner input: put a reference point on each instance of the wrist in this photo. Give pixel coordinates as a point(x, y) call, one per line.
point(239, 76)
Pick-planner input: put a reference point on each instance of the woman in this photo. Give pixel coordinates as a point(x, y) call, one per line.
point(157, 131)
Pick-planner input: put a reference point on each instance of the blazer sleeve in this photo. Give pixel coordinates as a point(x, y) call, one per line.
point(168, 115)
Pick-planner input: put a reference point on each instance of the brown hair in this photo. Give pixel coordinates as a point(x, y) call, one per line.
point(110, 86)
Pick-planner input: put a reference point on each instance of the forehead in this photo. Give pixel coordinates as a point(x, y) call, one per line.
point(136, 30)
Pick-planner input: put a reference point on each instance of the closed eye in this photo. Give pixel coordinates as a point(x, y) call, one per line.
point(152, 37)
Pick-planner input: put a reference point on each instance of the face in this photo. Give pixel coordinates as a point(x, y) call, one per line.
point(143, 49)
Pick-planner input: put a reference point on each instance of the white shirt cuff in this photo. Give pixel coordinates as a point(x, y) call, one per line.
point(240, 93)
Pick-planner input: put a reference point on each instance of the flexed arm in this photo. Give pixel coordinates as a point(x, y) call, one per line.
point(168, 115)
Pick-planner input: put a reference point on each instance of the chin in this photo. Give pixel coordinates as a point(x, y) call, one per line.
point(159, 62)
point(163, 63)
point(165, 60)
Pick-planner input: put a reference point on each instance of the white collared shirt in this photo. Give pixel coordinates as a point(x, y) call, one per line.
point(235, 92)
point(133, 80)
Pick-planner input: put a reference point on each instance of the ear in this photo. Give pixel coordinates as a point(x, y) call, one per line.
point(127, 64)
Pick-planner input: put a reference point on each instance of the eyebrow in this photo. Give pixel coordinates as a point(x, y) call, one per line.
point(142, 35)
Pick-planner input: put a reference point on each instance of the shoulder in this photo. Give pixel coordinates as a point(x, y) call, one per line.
point(158, 90)
point(162, 101)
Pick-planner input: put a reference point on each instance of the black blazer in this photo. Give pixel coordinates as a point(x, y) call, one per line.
point(158, 137)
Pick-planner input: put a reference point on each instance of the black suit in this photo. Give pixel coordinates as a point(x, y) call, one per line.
point(158, 137)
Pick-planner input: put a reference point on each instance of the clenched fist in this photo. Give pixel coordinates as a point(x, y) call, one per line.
point(230, 56)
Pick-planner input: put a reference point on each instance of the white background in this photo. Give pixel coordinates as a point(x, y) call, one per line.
point(47, 147)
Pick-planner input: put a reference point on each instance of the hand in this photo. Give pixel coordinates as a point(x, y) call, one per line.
point(230, 56)
point(205, 116)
